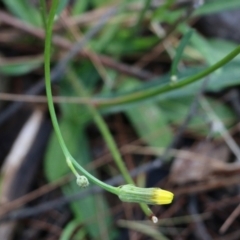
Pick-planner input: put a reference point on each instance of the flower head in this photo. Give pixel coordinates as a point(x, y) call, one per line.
point(161, 196)
point(151, 196)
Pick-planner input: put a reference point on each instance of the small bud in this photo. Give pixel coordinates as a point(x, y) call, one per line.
point(174, 78)
point(151, 196)
point(82, 181)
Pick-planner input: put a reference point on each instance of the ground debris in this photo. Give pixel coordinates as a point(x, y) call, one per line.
point(200, 162)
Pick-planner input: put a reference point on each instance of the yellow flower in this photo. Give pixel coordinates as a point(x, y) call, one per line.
point(161, 196)
point(151, 196)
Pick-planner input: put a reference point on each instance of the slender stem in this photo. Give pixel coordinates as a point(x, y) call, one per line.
point(179, 52)
point(111, 144)
point(81, 90)
point(153, 91)
point(66, 153)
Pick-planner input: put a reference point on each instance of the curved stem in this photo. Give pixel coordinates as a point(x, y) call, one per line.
point(66, 153)
point(80, 89)
point(153, 91)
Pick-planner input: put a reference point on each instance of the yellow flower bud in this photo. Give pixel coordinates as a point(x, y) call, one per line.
point(151, 196)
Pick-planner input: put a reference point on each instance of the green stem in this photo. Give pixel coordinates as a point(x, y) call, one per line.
point(80, 88)
point(156, 90)
point(153, 91)
point(47, 59)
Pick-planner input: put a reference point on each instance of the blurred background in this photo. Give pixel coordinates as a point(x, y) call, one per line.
point(184, 140)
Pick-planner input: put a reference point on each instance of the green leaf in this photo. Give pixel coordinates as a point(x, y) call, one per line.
point(100, 3)
point(55, 164)
point(88, 74)
point(107, 37)
point(24, 10)
point(227, 76)
point(223, 47)
point(179, 52)
point(70, 230)
point(80, 7)
point(150, 231)
point(148, 120)
point(73, 130)
point(176, 111)
point(125, 45)
point(209, 53)
point(214, 6)
point(141, 14)
point(92, 212)
point(150, 124)
point(164, 14)
point(62, 5)
point(21, 66)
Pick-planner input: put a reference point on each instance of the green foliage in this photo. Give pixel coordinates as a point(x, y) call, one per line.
point(20, 67)
point(163, 14)
point(55, 164)
point(93, 208)
point(176, 111)
point(148, 120)
point(209, 52)
point(179, 52)
point(56, 167)
point(71, 231)
point(100, 3)
point(214, 6)
point(153, 108)
point(150, 123)
point(62, 5)
point(24, 10)
point(79, 7)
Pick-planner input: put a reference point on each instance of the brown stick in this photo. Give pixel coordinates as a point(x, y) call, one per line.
point(230, 220)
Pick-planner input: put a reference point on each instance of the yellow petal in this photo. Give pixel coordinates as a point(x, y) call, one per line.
point(161, 196)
